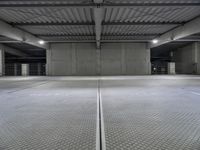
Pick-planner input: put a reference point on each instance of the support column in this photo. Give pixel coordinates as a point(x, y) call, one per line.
point(15, 69)
point(74, 57)
point(148, 58)
point(39, 70)
point(196, 54)
point(25, 69)
point(171, 68)
point(98, 62)
point(123, 59)
point(48, 61)
point(2, 61)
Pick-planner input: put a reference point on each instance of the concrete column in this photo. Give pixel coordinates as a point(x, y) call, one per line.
point(148, 58)
point(15, 69)
point(2, 61)
point(123, 59)
point(48, 63)
point(73, 52)
point(98, 62)
point(39, 70)
point(198, 65)
point(171, 68)
point(196, 47)
point(25, 69)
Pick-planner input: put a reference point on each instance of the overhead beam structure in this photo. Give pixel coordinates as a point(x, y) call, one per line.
point(14, 51)
point(130, 36)
point(93, 5)
point(102, 41)
point(84, 35)
point(197, 4)
point(93, 23)
point(178, 33)
point(98, 18)
point(20, 35)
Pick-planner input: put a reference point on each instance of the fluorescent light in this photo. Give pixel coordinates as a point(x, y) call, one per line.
point(155, 41)
point(41, 42)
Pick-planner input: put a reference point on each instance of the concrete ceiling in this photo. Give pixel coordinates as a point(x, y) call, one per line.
point(97, 20)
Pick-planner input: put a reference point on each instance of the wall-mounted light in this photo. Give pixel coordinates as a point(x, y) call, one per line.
point(41, 42)
point(155, 41)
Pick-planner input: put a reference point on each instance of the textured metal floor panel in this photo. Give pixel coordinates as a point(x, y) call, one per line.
point(140, 113)
point(47, 115)
point(146, 114)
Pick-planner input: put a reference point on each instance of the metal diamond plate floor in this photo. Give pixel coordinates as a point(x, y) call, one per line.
point(36, 114)
point(152, 114)
point(139, 113)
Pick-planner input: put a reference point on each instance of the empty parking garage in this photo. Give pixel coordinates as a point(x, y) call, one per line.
point(99, 74)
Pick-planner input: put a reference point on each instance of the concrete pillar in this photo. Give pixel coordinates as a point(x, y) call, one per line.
point(25, 69)
point(123, 59)
point(2, 61)
point(48, 64)
point(39, 69)
point(196, 47)
point(198, 65)
point(73, 57)
point(148, 58)
point(98, 63)
point(15, 69)
point(171, 68)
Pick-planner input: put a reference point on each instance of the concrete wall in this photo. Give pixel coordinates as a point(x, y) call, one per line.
point(188, 59)
point(125, 59)
point(71, 59)
point(85, 59)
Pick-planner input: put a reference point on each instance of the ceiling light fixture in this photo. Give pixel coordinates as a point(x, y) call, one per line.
point(155, 41)
point(41, 42)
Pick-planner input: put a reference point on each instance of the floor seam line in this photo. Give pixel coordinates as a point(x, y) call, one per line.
point(100, 134)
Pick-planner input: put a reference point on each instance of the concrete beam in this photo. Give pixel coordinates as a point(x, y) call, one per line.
point(14, 51)
point(180, 32)
point(19, 35)
point(98, 17)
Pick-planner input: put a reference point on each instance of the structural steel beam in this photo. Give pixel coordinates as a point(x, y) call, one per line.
point(92, 5)
point(178, 33)
point(93, 23)
point(98, 17)
point(10, 41)
point(150, 4)
point(19, 35)
point(44, 5)
point(102, 41)
point(85, 35)
point(53, 24)
point(105, 35)
point(14, 51)
point(143, 23)
point(188, 40)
